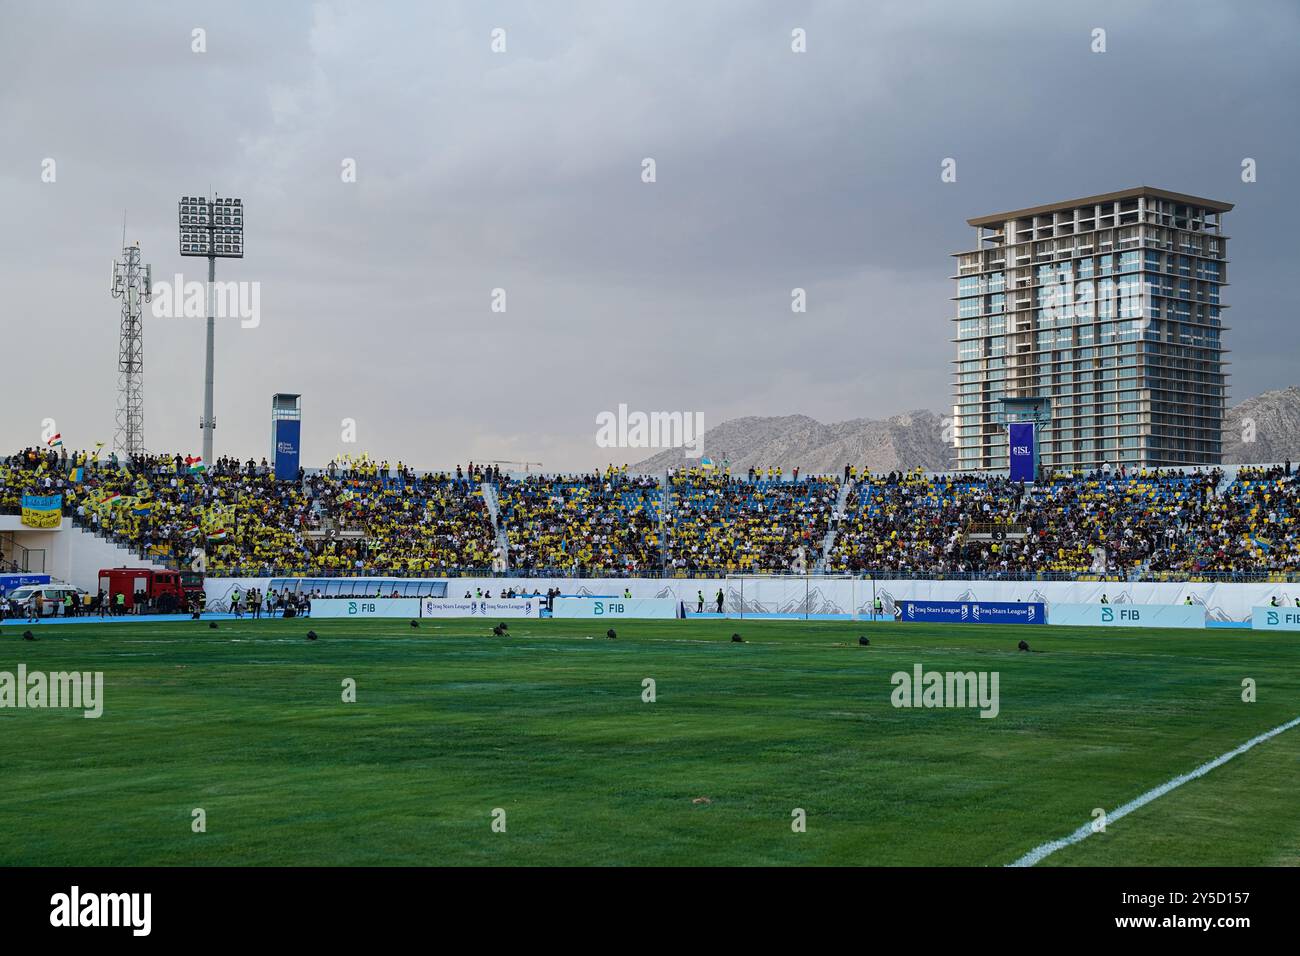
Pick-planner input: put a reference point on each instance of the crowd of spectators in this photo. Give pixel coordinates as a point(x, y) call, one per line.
point(1152, 522)
point(605, 523)
point(364, 517)
point(723, 524)
point(244, 521)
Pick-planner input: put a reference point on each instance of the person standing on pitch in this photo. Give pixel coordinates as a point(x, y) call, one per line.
point(719, 600)
point(699, 607)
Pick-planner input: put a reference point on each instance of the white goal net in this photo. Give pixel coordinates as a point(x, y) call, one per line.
point(793, 596)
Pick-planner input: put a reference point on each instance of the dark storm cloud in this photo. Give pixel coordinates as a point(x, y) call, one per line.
point(522, 171)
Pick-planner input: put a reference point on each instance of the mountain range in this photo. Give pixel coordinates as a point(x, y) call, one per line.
point(1265, 428)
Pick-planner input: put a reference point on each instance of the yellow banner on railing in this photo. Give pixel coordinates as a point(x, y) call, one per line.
point(42, 511)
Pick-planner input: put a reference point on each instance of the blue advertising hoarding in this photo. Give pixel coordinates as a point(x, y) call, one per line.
point(972, 612)
point(12, 582)
point(287, 431)
point(365, 607)
point(1128, 615)
point(1275, 619)
point(1020, 437)
point(662, 608)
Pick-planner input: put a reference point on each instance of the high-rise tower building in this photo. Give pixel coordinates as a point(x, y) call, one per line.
point(1106, 309)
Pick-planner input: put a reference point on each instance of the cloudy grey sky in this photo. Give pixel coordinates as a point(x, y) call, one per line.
point(522, 170)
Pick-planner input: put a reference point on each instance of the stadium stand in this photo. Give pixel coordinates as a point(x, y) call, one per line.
point(372, 518)
point(598, 524)
point(722, 524)
point(251, 524)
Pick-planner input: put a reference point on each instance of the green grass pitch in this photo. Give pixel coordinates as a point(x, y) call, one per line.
point(247, 722)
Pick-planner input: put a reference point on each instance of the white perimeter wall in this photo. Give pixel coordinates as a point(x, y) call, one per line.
point(1222, 602)
point(76, 556)
point(79, 555)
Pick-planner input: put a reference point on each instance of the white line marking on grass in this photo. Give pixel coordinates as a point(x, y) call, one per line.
point(1040, 853)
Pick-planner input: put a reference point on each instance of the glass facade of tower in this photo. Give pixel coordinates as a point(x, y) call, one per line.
point(1107, 306)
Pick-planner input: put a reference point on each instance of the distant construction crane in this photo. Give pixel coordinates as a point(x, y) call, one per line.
point(526, 464)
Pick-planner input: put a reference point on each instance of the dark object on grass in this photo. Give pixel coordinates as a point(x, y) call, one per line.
point(864, 641)
point(415, 624)
point(28, 636)
point(311, 635)
point(1024, 645)
point(504, 626)
point(496, 630)
point(737, 639)
point(213, 625)
point(611, 634)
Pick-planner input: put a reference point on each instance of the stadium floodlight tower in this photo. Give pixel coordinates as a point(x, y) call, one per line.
point(212, 230)
point(132, 283)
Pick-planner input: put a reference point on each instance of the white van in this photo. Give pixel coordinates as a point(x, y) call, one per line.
point(52, 596)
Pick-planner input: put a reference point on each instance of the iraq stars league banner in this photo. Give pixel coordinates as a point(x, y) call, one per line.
point(480, 607)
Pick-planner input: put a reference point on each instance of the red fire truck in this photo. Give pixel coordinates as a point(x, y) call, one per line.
point(171, 591)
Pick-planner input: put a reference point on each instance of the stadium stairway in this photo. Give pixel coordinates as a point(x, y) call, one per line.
point(828, 543)
point(78, 554)
point(494, 512)
point(665, 522)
